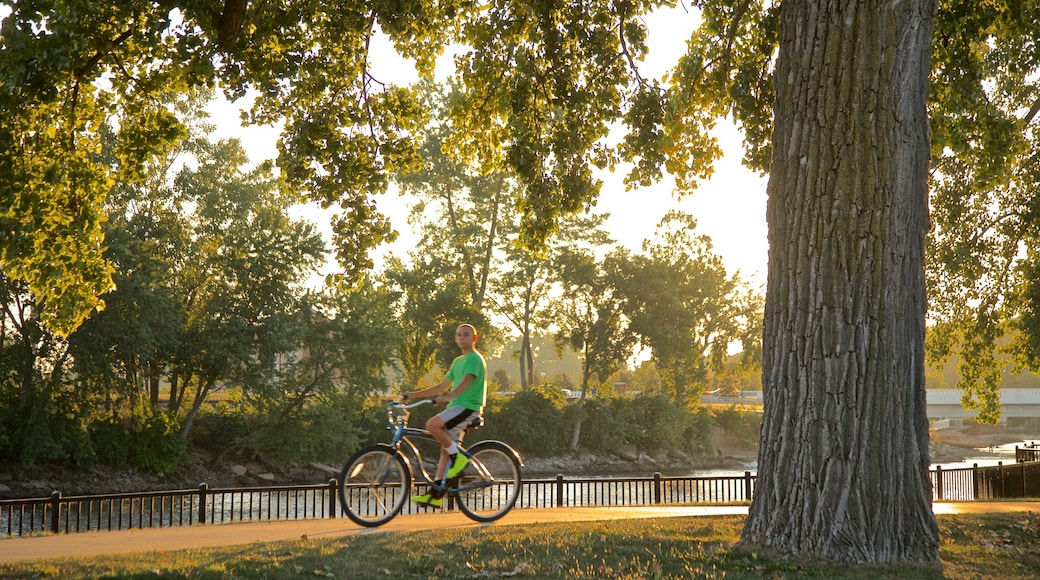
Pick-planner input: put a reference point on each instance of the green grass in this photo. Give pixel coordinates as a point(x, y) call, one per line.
point(1005, 546)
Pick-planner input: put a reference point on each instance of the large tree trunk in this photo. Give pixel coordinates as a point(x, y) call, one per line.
point(843, 462)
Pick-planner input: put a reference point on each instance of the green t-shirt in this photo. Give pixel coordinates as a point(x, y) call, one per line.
point(475, 395)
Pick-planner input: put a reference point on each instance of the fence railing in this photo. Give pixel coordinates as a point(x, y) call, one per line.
point(158, 509)
point(1028, 453)
point(59, 514)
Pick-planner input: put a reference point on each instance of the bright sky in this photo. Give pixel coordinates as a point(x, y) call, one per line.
point(730, 207)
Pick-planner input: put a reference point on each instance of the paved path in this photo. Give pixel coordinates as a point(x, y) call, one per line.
point(206, 536)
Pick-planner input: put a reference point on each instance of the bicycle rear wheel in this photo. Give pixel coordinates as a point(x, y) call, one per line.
point(374, 485)
point(490, 484)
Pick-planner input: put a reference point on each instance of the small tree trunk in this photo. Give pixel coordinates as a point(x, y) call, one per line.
point(843, 460)
point(525, 380)
point(200, 398)
point(153, 384)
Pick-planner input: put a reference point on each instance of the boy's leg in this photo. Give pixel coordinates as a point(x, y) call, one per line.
point(445, 427)
point(433, 497)
point(435, 425)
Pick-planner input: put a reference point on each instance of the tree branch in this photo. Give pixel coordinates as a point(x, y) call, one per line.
point(229, 22)
point(1032, 112)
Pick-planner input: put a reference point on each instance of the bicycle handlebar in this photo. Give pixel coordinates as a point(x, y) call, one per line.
point(418, 403)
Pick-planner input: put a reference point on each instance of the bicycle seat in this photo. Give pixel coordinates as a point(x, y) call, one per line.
point(478, 421)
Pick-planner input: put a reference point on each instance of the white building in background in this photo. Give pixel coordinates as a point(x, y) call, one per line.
point(1017, 403)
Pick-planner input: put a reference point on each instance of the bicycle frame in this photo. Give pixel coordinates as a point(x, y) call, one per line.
point(408, 450)
point(375, 481)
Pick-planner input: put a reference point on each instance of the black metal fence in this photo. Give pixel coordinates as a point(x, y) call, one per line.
point(58, 514)
point(1009, 481)
point(159, 509)
point(629, 491)
point(1028, 453)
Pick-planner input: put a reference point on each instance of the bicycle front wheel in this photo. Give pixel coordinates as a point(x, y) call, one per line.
point(490, 484)
point(374, 485)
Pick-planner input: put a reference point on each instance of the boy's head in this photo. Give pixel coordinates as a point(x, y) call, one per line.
point(466, 336)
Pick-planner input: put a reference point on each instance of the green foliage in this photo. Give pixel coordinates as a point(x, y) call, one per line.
point(985, 180)
point(219, 426)
point(684, 306)
point(434, 301)
point(654, 422)
point(501, 378)
point(111, 442)
point(328, 430)
point(601, 432)
point(157, 445)
point(145, 439)
point(589, 312)
point(532, 421)
point(740, 424)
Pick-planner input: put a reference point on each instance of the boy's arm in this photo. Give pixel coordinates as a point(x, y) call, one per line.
point(458, 390)
point(438, 388)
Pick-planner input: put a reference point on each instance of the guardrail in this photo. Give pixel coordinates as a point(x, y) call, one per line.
point(58, 514)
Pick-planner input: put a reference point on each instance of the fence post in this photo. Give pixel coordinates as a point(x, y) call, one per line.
point(559, 490)
point(203, 488)
point(1023, 466)
point(1000, 471)
point(747, 485)
point(938, 483)
point(333, 484)
point(657, 487)
point(55, 510)
point(975, 481)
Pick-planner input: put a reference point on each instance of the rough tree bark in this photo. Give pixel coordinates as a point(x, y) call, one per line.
point(843, 462)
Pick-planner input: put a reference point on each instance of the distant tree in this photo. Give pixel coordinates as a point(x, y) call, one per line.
point(521, 297)
point(682, 304)
point(502, 378)
point(433, 300)
point(38, 407)
point(242, 275)
point(462, 213)
point(317, 392)
point(645, 378)
point(590, 320)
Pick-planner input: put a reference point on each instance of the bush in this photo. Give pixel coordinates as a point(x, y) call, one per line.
point(656, 423)
point(226, 423)
point(111, 442)
point(601, 432)
point(158, 446)
point(742, 425)
point(697, 435)
point(531, 421)
point(328, 429)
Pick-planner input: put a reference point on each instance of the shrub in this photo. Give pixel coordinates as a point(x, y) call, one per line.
point(601, 432)
point(111, 442)
point(532, 421)
point(158, 446)
point(655, 423)
point(739, 424)
point(328, 429)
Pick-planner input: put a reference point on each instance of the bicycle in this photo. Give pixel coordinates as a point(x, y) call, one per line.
point(376, 481)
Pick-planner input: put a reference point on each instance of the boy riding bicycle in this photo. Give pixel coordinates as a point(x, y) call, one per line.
point(465, 403)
